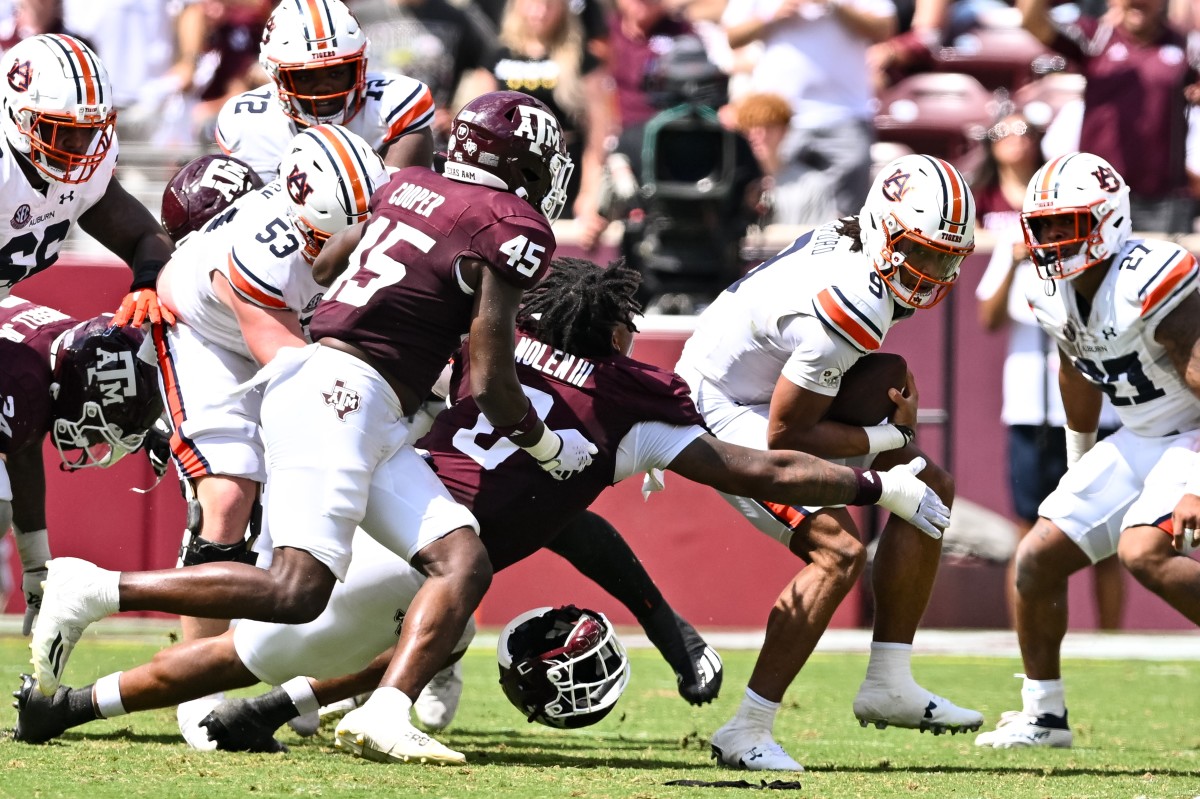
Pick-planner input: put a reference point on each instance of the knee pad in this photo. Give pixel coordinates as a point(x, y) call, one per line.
point(196, 550)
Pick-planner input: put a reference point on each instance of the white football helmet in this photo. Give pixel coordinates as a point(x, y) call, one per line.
point(918, 223)
point(329, 174)
point(57, 106)
point(1091, 203)
point(307, 43)
point(562, 667)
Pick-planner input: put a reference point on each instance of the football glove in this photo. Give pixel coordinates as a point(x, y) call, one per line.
point(140, 306)
point(31, 585)
point(905, 495)
point(157, 445)
point(574, 454)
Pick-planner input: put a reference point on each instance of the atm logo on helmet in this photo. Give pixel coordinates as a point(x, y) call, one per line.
point(539, 126)
point(115, 375)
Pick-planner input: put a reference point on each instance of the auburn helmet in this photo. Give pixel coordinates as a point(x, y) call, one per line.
point(562, 667)
point(512, 142)
point(58, 108)
point(918, 223)
point(329, 173)
point(203, 188)
point(104, 397)
point(316, 54)
point(1076, 215)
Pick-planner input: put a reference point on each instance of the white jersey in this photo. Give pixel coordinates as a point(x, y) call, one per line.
point(807, 314)
point(38, 223)
point(1113, 345)
point(257, 249)
point(253, 127)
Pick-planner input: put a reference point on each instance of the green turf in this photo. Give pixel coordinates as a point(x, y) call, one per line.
point(1133, 722)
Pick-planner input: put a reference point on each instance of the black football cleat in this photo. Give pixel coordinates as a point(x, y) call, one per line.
point(40, 718)
point(235, 725)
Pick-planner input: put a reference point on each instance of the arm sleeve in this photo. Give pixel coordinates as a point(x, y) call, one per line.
point(652, 445)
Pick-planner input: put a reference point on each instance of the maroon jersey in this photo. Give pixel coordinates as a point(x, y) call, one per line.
point(520, 507)
point(401, 299)
point(26, 333)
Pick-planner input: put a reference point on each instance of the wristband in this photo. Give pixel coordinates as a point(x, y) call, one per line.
point(869, 489)
point(1078, 444)
point(34, 548)
point(145, 275)
point(883, 437)
point(546, 447)
point(527, 424)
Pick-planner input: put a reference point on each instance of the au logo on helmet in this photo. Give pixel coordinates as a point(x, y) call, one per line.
point(1108, 179)
point(20, 76)
point(895, 185)
point(297, 186)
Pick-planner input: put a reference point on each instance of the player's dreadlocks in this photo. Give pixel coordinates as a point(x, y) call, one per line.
point(578, 303)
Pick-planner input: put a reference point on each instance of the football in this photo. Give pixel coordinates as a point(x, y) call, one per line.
point(863, 399)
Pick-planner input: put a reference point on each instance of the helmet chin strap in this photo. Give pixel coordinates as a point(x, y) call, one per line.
point(1050, 287)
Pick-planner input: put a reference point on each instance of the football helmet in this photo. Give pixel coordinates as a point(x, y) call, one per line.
point(562, 667)
point(307, 45)
point(1076, 215)
point(104, 396)
point(57, 106)
point(918, 223)
point(203, 188)
point(329, 173)
point(510, 141)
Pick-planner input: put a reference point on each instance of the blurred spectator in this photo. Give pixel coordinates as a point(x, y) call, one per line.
point(543, 54)
point(592, 14)
point(1032, 409)
point(915, 46)
point(815, 56)
point(1140, 80)
point(434, 41)
point(134, 38)
point(25, 18)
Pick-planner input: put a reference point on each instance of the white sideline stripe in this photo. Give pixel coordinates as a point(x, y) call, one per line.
point(961, 643)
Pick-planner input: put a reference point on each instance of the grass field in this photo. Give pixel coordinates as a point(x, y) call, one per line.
point(1134, 722)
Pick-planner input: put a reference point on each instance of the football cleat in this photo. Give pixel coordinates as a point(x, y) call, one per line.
point(703, 683)
point(755, 750)
point(307, 725)
point(235, 726)
point(697, 666)
point(190, 713)
point(387, 738)
point(75, 594)
point(1018, 729)
point(438, 701)
point(912, 707)
point(39, 718)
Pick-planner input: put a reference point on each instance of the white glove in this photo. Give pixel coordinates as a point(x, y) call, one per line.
point(905, 495)
point(31, 584)
point(574, 454)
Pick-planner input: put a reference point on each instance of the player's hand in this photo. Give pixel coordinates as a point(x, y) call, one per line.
point(157, 445)
point(1185, 520)
point(905, 401)
point(905, 495)
point(140, 306)
point(31, 585)
point(574, 454)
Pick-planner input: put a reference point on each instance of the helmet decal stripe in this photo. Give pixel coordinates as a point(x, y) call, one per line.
point(1048, 188)
point(321, 24)
point(84, 70)
point(954, 206)
point(354, 189)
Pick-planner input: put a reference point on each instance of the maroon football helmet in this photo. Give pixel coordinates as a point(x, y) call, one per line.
point(103, 396)
point(512, 142)
point(203, 188)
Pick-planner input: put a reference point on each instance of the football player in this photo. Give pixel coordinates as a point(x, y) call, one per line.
point(1126, 316)
point(440, 256)
point(201, 189)
point(59, 125)
point(81, 383)
point(764, 366)
point(575, 332)
point(316, 55)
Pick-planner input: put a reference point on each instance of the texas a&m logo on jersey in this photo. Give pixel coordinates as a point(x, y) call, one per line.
point(539, 126)
point(895, 185)
point(20, 76)
point(344, 401)
point(297, 186)
point(1107, 179)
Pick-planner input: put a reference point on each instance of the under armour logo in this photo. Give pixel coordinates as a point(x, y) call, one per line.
point(344, 401)
point(1109, 333)
point(932, 706)
point(895, 186)
point(20, 76)
point(69, 197)
point(1107, 179)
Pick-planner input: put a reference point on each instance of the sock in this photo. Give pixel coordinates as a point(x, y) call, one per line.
point(275, 707)
point(80, 709)
point(106, 696)
point(889, 663)
point(1039, 697)
point(392, 701)
point(597, 550)
point(34, 548)
point(757, 712)
point(300, 691)
point(674, 638)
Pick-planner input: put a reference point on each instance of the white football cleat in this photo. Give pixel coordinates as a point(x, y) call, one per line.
point(76, 593)
point(189, 713)
point(756, 750)
point(912, 707)
point(379, 734)
point(438, 701)
point(1018, 729)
